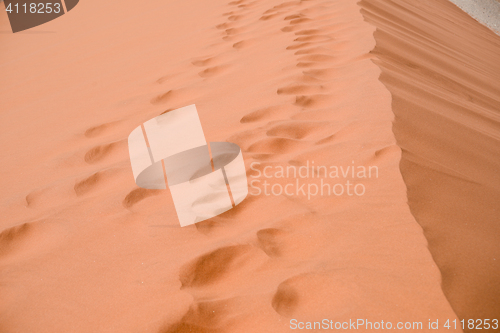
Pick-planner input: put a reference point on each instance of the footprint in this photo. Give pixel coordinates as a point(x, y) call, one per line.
point(254, 116)
point(268, 17)
point(304, 101)
point(320, 73)
point(234, 31)
point(24, 236)
point(300, 20)
point(308, 32)
point(303, 64)
point(202, 62)
point(288, 29)
point(309, 100)
point(11, 237)
point(207, 226)
point(262, 157)
point(314, 38)
point(275, 145)
point(296, 89)
point(268, 113)
point(32, 197)
point(244, 138)
point(288, 4)
point(167, 110)
point(137, 195)
point(316, 57)
point(295, 130)
point(269, 241)
point(338, 292)
point(184, 327)
point(339, 135)
point(311, 80)
point(383, 154)
point(97, 130)
point(298, 46)
point(223, 26)
point(392, 149)
point(98, 153)
point(163, 98)
point(312, 50)
point(88, 183)
point(234, 17)
point(328, 139)
point(211, 71)
point(241, 44)
point(269, 11)
point(202, 317)
point(292, 17)
point(213, 266)
point(164, 78)
point(286, 299)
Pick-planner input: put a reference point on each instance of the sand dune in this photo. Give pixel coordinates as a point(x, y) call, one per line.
point(83, 249)
point(443, 76)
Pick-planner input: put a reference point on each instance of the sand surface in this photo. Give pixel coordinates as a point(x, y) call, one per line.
point(83, 249)
point(486, 12)
point(443, 71)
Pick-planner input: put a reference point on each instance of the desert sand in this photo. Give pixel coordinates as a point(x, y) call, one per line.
point(83, 249)
point(443, 71)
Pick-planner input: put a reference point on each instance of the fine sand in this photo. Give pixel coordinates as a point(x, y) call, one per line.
point(83, 249)
point(443, 71)
point(486, 12)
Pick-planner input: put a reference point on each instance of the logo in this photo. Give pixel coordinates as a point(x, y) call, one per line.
point(205, 180)
point(26, 14)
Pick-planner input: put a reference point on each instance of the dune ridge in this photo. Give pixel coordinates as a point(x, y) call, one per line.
point(290, 82)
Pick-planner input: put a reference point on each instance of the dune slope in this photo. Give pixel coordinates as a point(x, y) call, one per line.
point(443, 71)
point(83, 249)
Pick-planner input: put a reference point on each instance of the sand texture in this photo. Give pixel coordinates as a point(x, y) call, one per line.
point(443, 71)
point(83, 249)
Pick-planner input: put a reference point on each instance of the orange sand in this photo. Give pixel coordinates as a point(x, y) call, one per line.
point(443, 71)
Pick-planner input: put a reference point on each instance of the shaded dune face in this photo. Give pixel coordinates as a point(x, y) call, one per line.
point(444, 77)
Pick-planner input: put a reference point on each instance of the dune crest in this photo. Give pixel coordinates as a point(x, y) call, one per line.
point(293, 84)
point(443, 75)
